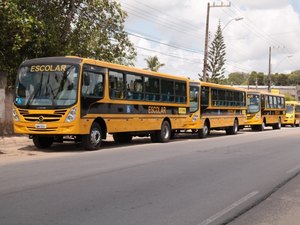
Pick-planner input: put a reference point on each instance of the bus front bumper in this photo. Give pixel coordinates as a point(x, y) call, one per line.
point(48, 128)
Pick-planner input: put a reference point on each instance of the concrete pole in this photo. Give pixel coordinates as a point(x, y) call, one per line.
point(269, 73)
point(206, 44)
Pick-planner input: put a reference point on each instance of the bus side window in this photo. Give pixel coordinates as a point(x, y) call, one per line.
point(263, 104)
point(117, 85)
point(204, 96)
point(92, 84)
point(152, 89)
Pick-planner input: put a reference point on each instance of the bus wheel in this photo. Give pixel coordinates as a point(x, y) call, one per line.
point(173, 134)
point(42, 142)
point(278, 125)
point(202, 133)
point(164, 134)
point(122, 137)
point(234, 129)
point(262, 126)
point(93, 140)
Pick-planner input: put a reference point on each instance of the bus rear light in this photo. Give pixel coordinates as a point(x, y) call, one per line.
point(71, 115)
point(15, 115)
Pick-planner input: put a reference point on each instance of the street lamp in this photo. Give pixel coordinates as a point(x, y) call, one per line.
point(233, 19)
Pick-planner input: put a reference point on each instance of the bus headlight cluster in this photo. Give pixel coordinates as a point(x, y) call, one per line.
point(15, 115)
point(71, 115)
point(195, 117)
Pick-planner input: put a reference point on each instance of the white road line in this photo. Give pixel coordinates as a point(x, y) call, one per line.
point(229, 208)
point(294, 169)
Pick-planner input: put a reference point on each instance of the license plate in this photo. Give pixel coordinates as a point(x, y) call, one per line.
point(40, 126)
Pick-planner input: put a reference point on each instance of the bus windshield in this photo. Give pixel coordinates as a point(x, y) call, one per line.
point(289, 108)
point(47, 86)
point(253, 103)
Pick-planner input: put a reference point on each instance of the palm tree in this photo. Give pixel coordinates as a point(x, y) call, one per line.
point(153, 63)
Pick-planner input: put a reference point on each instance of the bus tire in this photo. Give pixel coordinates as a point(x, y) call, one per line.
point(93, 140)
point(262, 126)
point(173, 134)
point(163, 135)
point(277, 126)
point(122, 137)
point(42, 142)
point(234, 129)
point(204, 132)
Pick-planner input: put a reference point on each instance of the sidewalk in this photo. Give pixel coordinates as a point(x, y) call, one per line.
point(280, 208)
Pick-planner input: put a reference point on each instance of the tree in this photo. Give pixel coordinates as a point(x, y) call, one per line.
point(257, 78)
point(38, 28)
point(216, 57)
point(153, 63)
point(280, 79)
point(237, 78)
point(294, 77)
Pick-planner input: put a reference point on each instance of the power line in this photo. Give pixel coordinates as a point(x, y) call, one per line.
point(162, 43)
point(170, 55)
point(135, 11)
point(168, 15)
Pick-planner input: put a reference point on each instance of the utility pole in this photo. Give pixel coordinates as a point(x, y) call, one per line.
point(269, 74)
point(206, 35)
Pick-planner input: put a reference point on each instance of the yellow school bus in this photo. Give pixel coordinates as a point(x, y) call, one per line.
point(292, 116)
point(215, 107)
point(265, 109)
point(85, 99)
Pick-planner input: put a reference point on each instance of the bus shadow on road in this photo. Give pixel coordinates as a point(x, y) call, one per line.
point(110, 144)
point(77, 147)
point(213, 134)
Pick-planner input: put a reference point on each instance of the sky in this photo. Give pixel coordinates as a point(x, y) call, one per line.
point(174, 31)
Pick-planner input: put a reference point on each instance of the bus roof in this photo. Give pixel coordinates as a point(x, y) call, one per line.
point(293, 102)
point(202, 83)
point(264, 92)
point(80, 60)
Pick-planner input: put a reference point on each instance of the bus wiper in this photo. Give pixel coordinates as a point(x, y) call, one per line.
point(34, 93)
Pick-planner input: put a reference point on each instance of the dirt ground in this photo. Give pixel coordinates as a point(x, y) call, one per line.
point(21, 148)
point(15, 149)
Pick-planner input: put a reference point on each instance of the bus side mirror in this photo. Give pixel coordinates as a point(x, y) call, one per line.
point(86, 79)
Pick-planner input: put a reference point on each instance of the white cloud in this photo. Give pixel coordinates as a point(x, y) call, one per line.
point(182, 23)
point(262, 4)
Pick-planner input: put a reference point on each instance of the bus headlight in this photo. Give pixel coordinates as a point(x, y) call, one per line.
point(195, 117)
point(15, 115)
point(71, 115)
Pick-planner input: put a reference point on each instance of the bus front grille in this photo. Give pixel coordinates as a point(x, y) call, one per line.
point(42, 117)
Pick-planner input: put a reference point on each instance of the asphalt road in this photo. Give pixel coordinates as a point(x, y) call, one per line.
point(184, 182)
